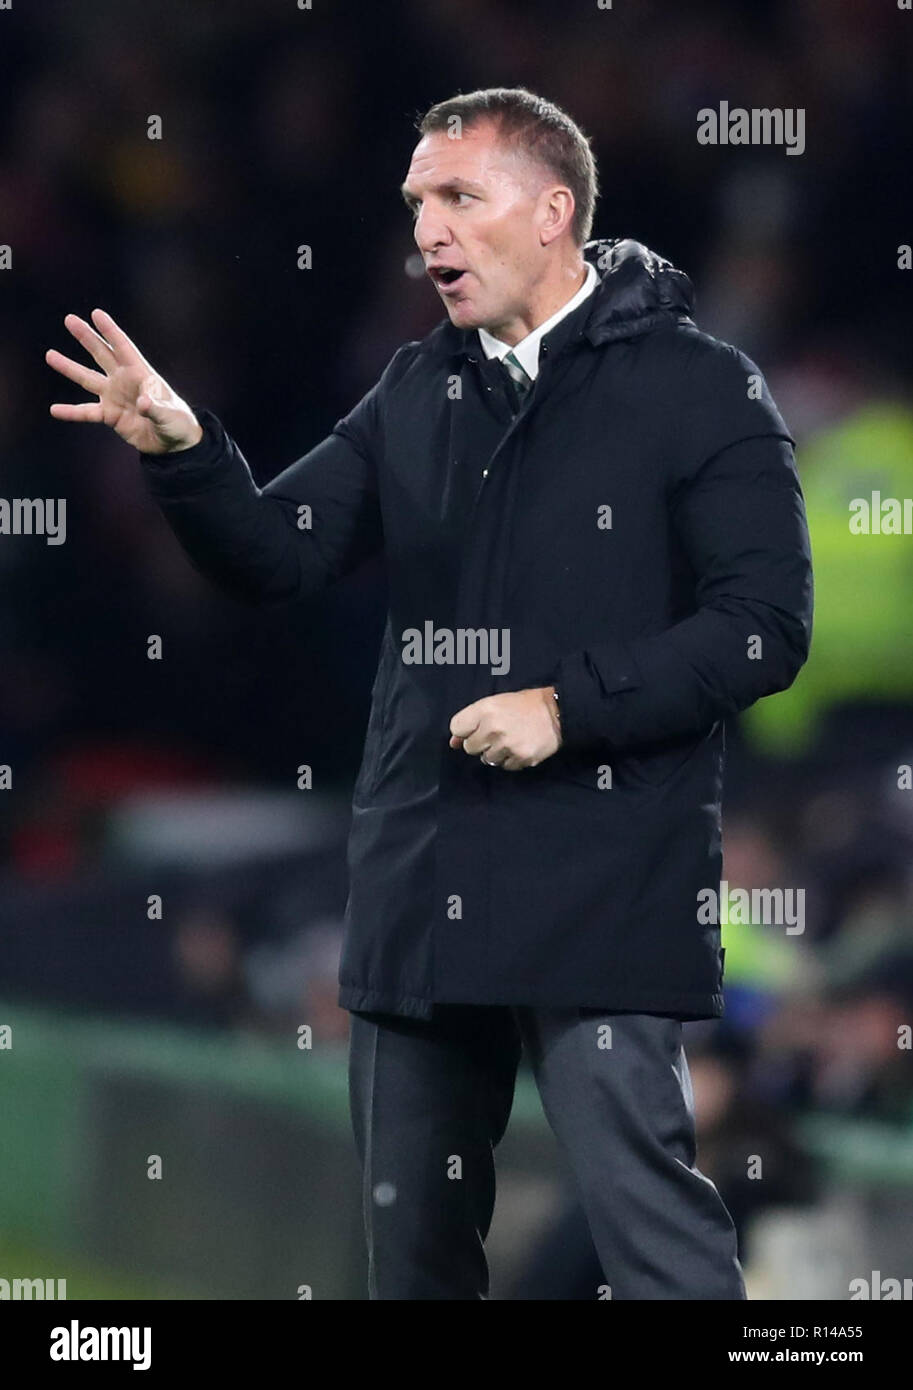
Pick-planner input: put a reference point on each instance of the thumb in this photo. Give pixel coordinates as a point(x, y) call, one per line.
point(145, 405)
point(465, 721)
point(162, 416)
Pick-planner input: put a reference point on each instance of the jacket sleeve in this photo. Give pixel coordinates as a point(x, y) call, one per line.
point(738, 511)
point(276, 544)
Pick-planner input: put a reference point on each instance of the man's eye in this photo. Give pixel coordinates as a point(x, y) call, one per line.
point(455, 196)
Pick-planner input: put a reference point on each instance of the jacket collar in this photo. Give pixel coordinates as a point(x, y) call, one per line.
point(638, 291)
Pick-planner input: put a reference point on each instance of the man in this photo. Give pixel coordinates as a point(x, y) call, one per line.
point(596, 549)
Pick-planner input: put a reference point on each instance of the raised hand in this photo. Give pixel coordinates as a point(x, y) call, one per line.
point(133, 399)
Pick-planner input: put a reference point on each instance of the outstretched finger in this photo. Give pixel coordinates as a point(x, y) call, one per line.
point(89, 413)
point(93, 342)
point(83, 376)
point(125, 350)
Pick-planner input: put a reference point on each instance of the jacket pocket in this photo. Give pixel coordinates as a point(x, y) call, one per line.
point(381, 696)
point(659, 765)
point(650, 768)
point(588, 768)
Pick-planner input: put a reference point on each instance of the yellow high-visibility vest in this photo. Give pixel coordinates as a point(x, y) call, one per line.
point(862, 635)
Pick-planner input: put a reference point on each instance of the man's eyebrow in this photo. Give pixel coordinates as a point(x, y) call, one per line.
point(456, 185)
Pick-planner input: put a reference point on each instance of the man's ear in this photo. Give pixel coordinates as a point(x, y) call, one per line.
point(557, 213)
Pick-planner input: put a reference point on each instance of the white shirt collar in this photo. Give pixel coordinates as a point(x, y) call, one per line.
point(527, 350)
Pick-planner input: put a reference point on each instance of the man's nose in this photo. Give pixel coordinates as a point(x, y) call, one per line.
point(431, 230)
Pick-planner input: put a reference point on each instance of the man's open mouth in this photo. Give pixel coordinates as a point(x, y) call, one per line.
point(446, 275)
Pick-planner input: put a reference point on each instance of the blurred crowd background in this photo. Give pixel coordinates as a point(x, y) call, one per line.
point(176, 778)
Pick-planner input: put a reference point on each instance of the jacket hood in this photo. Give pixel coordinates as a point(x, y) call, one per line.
point(638, 290)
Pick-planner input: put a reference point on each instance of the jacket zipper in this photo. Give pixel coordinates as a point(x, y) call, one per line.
point(521, 413)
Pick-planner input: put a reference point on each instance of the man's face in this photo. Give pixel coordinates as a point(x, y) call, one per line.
point(478, 208)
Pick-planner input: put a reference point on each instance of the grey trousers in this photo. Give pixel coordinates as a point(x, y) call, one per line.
point(430, 1101)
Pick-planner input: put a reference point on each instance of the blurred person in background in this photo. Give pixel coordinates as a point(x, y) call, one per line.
point(297, 979)
point(862, 703)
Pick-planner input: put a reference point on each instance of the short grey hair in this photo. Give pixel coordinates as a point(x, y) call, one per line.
point(543, 131)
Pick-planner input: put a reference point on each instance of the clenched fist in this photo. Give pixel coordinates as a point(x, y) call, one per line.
point(518, 729)
point(133, 399)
